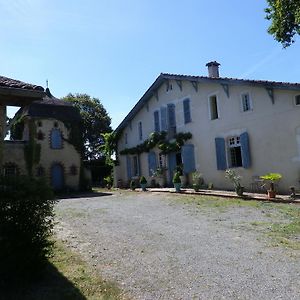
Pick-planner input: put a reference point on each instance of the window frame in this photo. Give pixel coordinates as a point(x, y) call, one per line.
point(297, 97)
point(210, 106)
point(250, 103)
point(140, 130)
point(187, 111)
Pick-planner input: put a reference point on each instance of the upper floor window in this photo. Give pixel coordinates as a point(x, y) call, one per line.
point(186, 111)
point(126, 138)
point(171, 120)
point(10, 169)
point(213, 107)
point(56, 139)
point(297, 100)
point(140, 129)
point(156, 121)
point(246, 102)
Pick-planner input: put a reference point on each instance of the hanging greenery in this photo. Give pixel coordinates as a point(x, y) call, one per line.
point(17, 128)
point(159, 139)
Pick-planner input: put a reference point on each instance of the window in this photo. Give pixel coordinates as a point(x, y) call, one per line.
point(39, 123)
point(246, 102)
point(135, 166)
point(297, 100)
point(11, 169)
point(235, 152)
point(126, 138)
point(156, 121)
point(186, 111)
point(73, 170)
point(56, 139)
point(40, 136)
point(162, 160)
point(40, 171)
point(213, 108)
point(140, 129)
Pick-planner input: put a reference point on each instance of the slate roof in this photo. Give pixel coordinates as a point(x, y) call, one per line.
point(12, 83)
point(163, 77)
point(51, 107)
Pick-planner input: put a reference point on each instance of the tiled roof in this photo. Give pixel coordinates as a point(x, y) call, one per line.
point(12, 83)
point(201, 79)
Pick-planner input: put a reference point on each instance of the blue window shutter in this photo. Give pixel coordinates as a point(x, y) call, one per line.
point(171, 115)
point(128, 161)
point(186, 111)
point(56, 139)
point(221, 154)
point(246, 159)
point(140, 131)
point(163, 116)
point(139, 165)
point(156, 121)
point(188, 158)
point(152, 162)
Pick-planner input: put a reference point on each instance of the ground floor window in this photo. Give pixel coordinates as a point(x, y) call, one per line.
point(135, 166)
point(10, 169)
point(235, 152)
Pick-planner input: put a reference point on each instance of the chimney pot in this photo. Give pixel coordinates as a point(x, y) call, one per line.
point(213, 69)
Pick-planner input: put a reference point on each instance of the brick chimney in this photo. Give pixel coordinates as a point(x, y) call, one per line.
point(213, 69)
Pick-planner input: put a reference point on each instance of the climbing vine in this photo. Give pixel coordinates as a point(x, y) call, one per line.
point(32, 150)
point(17, 128)
point(159, 139)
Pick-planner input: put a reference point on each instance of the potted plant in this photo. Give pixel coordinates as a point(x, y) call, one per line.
point(272, 178)
point(109, 181)
point(143, 183)
point(177, 181)
point(197, 180)
point(236, 180)
point(132, 185)
point(160, 176)
point(179, 169)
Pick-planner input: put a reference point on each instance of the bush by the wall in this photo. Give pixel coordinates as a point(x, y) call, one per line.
point(26, 223)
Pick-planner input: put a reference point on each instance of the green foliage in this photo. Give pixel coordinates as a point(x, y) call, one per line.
point(26, 222)
point(96, 121)
point(176, 178)
point(234, 178)
point(272, 178)
point(17, 128)
point(285, 20)
point(109, 148)
point(159, 139)
point(132, 185)
point(143, 180)
point(108, 181)
point(32, 150)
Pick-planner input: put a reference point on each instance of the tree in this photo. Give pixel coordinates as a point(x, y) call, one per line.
point(285, 20)
point(96, 121)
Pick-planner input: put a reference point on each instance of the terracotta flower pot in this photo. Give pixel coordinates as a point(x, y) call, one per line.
point(271, 194)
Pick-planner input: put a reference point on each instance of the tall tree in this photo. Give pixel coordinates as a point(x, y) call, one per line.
point(96, 121)
point(285, 20)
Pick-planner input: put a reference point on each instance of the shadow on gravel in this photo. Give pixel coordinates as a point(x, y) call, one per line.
point(82, 195)
point(51, 285)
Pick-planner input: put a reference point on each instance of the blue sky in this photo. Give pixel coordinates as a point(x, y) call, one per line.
point(115, 49)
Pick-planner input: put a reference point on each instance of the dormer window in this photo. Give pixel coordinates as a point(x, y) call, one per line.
point(297, 100)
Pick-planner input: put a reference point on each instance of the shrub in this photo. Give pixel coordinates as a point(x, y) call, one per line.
point(176, 178)
point(26, 222)
point(143, 180)
point(132, 185)
point(272, 178)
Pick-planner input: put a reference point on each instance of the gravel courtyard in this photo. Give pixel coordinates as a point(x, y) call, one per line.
point(159, 246)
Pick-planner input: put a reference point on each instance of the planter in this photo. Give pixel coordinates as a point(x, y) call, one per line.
point(271, 194)
point(177, 187)
point(144, 186)
point(160, 181)
point(240, 190)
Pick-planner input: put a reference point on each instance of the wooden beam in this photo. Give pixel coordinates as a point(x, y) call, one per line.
point(195, 85)
point(270, 92)
point(226, 89)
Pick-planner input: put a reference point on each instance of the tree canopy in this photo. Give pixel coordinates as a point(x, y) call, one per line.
point(96, 121)
point(285, 20)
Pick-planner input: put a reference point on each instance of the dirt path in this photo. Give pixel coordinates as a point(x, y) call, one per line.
point(158, 248)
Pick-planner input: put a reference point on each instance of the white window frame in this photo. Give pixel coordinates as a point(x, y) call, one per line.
point(242, 102)
point(140, 130)
point(209, 106)
point(233, 141)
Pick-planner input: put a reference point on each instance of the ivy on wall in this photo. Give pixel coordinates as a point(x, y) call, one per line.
point(32, 150)
point(159, 139)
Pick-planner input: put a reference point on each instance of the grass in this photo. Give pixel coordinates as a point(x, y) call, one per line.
point(66, 276)
point(283, 226)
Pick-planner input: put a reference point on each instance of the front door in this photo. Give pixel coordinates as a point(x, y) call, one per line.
point(57, 176)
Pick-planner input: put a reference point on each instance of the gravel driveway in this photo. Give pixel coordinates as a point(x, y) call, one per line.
point(156, 247)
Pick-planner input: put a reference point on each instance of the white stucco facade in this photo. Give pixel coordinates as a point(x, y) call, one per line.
point(271, 120)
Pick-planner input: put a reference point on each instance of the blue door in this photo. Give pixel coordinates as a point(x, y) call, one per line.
point(171, 165)
point(57, 177)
